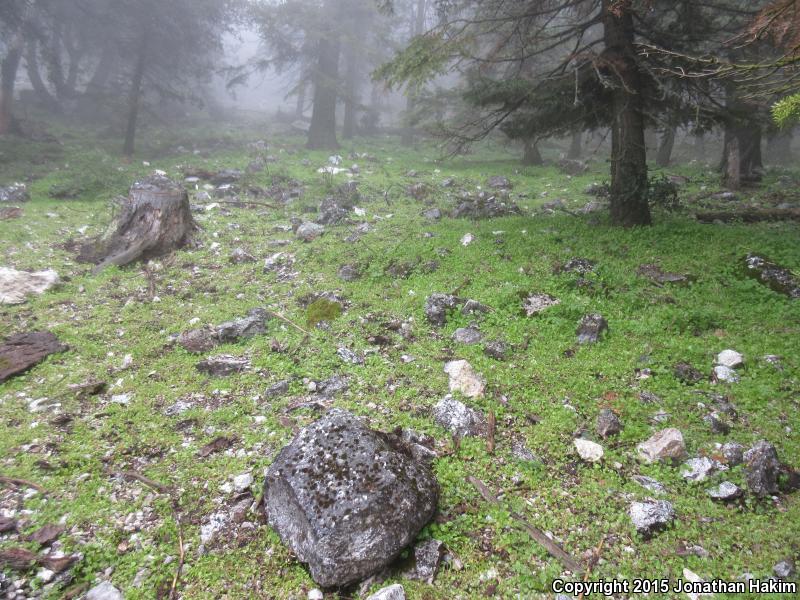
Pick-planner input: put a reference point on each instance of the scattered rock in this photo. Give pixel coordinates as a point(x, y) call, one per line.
point(349, 356)
point(240, 256)
point(654, 273)
point(648, 397)
point(204, 339)
point(581, 266)
point(464, 379)
point(197, 340)
point(499, 182)
point(725, 491)
point(700, 468)
point(418, 191)
point(666, 445)
point(650, 484)
point(778, 278)
point(467, 239)
point(473, 307)
point(222, 365)
point(345, 500)
point(20, 352)
point(16, 285)
point(536, 303)
point(485, 208)
point(392, 592)
point(16, 192)
point(497, 350)
point(448, 182)
point(104, 591)
point(427, 557)
point(226, 176)
point(432, 214)
point(242, 483)
point(332, 212)
point(467, 335)
point(762, 468)
point(651, 515)
point(733, 453)
point(278, 389)
point(588, 450)
point(591, 329)
point(348, 273)
point(328, 388)
point(10, 212)
point(785, 569)
point(608, 423)
point(459, 418)
point(436, 307)
point(309, 231)
point(686, 373)
point(729, 358)
point(725, 374)
point(596, 189)
point(717, 424)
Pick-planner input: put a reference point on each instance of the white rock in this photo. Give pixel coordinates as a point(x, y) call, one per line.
point(664, 445)
point(694, 578)
point(45, 575)
point(467, 239)
point(588, 450)
point(315, 594)
point(16, 285)
point(725, 374)
point(123, 399)
point(729, 358)
point(698, 469)
point(242, 482)
point(104, 591)
point(464, 379)
point(392, 592)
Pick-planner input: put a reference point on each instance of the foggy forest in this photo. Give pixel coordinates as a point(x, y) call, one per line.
point(399, 299)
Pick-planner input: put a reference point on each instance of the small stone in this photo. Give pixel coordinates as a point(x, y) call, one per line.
point(762, 468)
point(729, 358)
point(242, 482)
point(467, 239)
point(785, 569)
point(240, 256)
point(392, 592)
point(436, 307)
point(222, 365)
point(733, 453)
point(725, 491)
point(536, 303)
point(104, 591)
point(651, 515)
point(648, 397)
point(349, 356)
point(432, 214)
point(459, 418)
point(717, 425)
point(123, 399)
point(588, 450)
point(496, 350)
point(650, 484)
point(686, 373)
point(666, 445)
point(348, 273)
point(427, 557)
point(309, 231)
point(464, 379)
point(499, 182)
point(608, 423)
point(700, 468)
point(725, 374)
point(473, 307)
point(591, 329)
point(277, 389)
point(467, 335)
point(315, 594)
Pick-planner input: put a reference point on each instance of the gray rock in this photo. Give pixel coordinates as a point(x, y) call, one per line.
point(332, 212)
point(278, 389)
point(427, 557)
point(222, 365)
point(581, 266)
point(346, 500)
point(651, 515)
point(348, 273)
point(497, 350)
point(448, 182)
point(785, 569)
point(700, 468)
point(779, 279)
point(762, 468)
point(226, 177)
point(588, 450)
point(648, 397)
point(328, 388)
point(717, 424)
point(473, 307)
point(467, 335)
point(418, 191)
point(650, 484)
point(255, 166)
point(255, 323)
point(608, 423)
point(309, 231)
point(665, 445)
point(485, 208)
point(686, 373)
point(349, 356)
point(240, 256)
point(16, 192)
point(536, 303)
point(591, 329)
point(729, 358)
point(459, 418)
point(733, 453)
point(725, 491)
point(725, 374)
point(436, 307)
point(15, 285)
point(464, 379)
point(499, 182)
point(432, 214)
point(104, 591)
point(392, 592)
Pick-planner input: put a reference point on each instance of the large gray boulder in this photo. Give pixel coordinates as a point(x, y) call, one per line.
point(347, 499)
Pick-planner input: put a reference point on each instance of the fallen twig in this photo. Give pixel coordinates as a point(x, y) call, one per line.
point(492, 426)
point(552, 547)
point(595, 559)
point(22, 483)
point(243, 203)
point(290, 322)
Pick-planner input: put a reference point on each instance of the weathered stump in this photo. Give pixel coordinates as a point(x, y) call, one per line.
point(155, 219)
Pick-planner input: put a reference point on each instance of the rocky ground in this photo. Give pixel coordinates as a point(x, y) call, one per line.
point(631, 396)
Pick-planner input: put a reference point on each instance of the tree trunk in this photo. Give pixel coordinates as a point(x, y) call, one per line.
point(532, 156)
point(665, 146)
point(134, 99)
point(299, 108)
point(628, 193)
point(407, 137)
point(8, 76)
point(575, 145)
point(39, 87)
point(155, 219)
point(351, 93)
point(322, 132)
point(731, 160)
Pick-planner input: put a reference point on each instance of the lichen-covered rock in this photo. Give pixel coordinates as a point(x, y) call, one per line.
point(536, 303)
point(591, 329)
point(666, 445)
point(347, 499)
point(309, 231)
point(774, 276)
point(16, 192)
point(725, 491)
point(392, 592)
point(464, 379)
point(467, 335)
point(608, 423)
point(651, 515)
point(246, 327)
point(436, 307)
point(459, 418)
point(762, 468)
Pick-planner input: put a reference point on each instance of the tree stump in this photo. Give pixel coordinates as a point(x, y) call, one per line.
point(155, 219)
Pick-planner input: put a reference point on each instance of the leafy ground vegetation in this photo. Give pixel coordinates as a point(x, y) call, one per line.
point(159, 417)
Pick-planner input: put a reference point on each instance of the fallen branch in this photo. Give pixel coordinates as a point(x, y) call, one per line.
point(492, 427)
point(278, 315)
point(22, 483)
point(552, 547)
point(750, 216)
point(242, 203)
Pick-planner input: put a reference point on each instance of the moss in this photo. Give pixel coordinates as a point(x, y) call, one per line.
point(321, 310)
